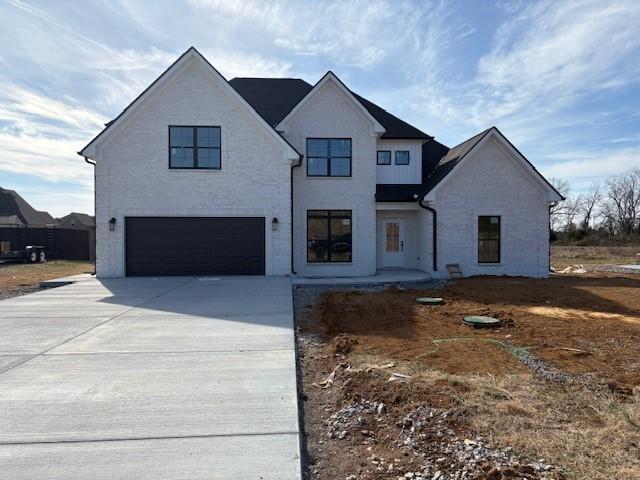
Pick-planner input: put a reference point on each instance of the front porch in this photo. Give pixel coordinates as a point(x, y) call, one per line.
point(401, 237)
point(384, 276)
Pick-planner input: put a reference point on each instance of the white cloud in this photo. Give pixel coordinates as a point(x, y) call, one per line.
point(552, 53)
point(589, 164)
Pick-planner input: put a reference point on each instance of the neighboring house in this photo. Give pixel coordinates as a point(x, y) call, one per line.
point(16, 212)
point(77, 220)
point(200, 175)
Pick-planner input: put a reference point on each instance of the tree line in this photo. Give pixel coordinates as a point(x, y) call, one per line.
point(609, 209)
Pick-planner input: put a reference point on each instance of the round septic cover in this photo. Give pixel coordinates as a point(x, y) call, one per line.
point(430, 300)
point(481, 322)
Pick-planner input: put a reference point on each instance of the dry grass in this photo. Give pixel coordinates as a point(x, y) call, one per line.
point(592, 434)
point(16, 275)
point(562, 256)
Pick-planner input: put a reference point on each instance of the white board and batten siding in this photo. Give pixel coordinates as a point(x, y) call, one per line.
point(393, 173)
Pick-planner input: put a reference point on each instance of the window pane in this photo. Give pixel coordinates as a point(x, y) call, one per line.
point(317, 229)
point(181, 157)
point(340, 239)
point(341, 213)
point(402, 157)
point(340, 167)
point(489, 251)
point(318, 251)
point(317, 148)
point(340, 252)
point(318, 213)
point(208, 137)
point(181, 136)
point(384, 158)
point(317, 166)
point(340, 147)
point(208, 158)
point(489, 239)
point(489, 228)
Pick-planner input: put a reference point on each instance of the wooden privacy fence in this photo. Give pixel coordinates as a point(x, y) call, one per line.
point(59, 242)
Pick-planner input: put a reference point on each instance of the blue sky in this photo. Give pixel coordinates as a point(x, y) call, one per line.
point(560, 78)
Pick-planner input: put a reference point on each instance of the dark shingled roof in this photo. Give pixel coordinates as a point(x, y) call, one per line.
point(449, 160)
point(14, 206)
point(398, 192)
point(78, 220)
point(274, 98)
point(432, 152)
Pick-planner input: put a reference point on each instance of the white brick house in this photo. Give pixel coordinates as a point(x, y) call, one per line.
point(200, 175)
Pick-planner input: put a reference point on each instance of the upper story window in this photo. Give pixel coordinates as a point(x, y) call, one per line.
point(402, 157)
point(329, 157)
point(384, 157)
point(488, 239)
point(194, 147)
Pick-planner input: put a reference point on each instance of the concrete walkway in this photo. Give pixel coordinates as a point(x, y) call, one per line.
point(168, 378)
point(390, 276)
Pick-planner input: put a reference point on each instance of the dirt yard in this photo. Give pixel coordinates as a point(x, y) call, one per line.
point(18, 278)
point(553, 393)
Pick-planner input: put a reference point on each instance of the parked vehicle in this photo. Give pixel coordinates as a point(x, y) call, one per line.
point(30, 254)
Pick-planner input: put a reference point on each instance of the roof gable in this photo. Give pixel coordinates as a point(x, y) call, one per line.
point(16, 210)
point(455, 157)
point(330, 77)
point(175, 68)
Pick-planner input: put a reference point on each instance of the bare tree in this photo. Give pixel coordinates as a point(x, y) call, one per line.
point(557, 209)
point(623, 195)
point(589, 203)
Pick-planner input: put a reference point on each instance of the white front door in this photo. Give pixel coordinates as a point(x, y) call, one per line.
point(393, 243)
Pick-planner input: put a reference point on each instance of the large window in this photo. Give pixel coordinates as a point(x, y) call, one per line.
point(402, 157)
point(384, 157)
point(194, 147)
point(329, 235)
point(329, 157)
point(488, 239)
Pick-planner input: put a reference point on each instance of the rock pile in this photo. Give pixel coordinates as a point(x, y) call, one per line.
point(437, 452)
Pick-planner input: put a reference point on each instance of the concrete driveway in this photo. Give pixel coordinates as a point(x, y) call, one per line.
point(167, 378)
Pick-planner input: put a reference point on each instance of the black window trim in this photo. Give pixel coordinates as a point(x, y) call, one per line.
point(195, 147)
point(499, 240)
point(329, 157)
point(408, 157)
point(383, 151)
point(329, 217)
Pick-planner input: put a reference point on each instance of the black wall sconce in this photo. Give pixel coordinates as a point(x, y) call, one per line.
point(274, 224)
point(112, 224)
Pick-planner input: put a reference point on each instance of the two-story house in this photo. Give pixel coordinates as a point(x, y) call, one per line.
point(204, 176)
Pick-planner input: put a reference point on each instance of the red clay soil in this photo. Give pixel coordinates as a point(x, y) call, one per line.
point(580, 324)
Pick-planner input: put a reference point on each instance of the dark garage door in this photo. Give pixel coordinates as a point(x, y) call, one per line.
point(195, 246)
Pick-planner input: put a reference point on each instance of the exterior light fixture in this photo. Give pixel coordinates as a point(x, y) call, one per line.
point(112, 224)
point(274, 224)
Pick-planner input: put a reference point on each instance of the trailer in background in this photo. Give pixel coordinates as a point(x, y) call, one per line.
point(30, 254)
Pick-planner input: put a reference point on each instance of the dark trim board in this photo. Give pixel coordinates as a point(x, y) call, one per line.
point(157, 246)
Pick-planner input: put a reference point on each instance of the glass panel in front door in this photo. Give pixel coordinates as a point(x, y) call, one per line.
point(393, 237)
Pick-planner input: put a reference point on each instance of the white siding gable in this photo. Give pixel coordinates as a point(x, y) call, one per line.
point(393, 173)
point(329, 113)
point(493, 181)
point(133, 178)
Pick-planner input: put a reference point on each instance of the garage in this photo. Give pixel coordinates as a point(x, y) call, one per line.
point(195, 246)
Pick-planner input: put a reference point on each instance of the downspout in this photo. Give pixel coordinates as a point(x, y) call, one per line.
point(95, 246)
point(293, 270)
point(435, 231)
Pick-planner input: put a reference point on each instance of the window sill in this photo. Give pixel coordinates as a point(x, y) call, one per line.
point(194, 170)
point(320, 177)
point(313, 264)
point(479, 264)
